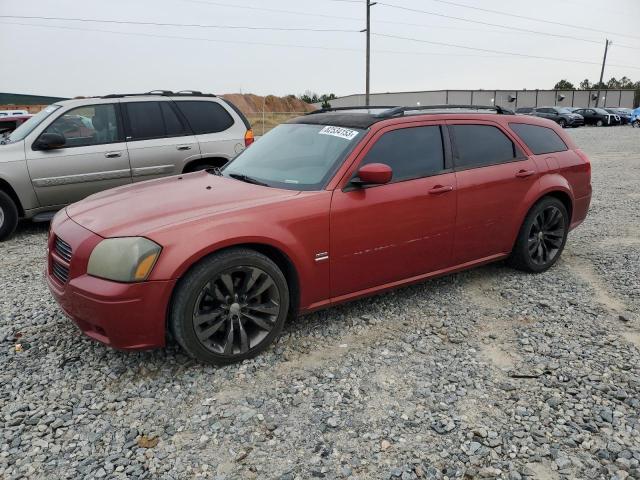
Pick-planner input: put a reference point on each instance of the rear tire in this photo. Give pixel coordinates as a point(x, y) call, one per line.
point(229, 307)
point(599, 123)
point(8, 216)
point(542, 236)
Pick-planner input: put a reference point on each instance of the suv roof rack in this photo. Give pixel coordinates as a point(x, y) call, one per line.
point(395, 111)
point(164, 93)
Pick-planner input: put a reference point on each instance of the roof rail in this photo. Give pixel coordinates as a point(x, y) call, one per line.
point(355, 107)
point(398, 111)
point(164, 93)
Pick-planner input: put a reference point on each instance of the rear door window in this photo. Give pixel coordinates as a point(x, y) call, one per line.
point(148, 120)
point(205, 117)
point(540, 140)
point(410, 152)
point(482, 145)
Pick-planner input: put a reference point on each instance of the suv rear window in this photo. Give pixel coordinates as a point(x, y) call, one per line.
point(539, 139)
point(205, 117)
point(482, 145)
point(149, 120)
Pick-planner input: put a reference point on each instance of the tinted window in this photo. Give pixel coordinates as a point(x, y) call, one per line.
point(145, 120)
point(173, 125)
point(410, 152)
point(539, 139)
point(480, 145)
point(89, 125)
point(205, 117)
point(7, 126)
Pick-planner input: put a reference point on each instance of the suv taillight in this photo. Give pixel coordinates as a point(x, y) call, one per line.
point(248, 138)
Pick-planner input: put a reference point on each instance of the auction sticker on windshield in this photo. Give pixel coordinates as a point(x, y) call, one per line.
point(345, 133)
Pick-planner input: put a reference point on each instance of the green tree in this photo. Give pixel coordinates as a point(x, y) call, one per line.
point(585, 84)
point(564, 85)
point(613, 83)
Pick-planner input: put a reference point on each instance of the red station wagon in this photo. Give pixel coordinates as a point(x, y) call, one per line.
point(326, 208)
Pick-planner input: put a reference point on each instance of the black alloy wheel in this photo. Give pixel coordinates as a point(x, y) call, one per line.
point(542, 236)
point(230, 306)
point(562, 122)
point(546, 236)
point(236, 310)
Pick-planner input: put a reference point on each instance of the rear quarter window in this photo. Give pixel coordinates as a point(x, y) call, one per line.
point(540, 140)
point(481, 146)
point(205, 117)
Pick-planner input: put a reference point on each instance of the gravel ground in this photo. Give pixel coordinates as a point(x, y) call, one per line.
point(490, 373)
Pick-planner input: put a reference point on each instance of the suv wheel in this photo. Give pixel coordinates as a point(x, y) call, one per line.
point(599, 123)
point(562, 122)
point(229, 307)
point(542, 236)
point(8, 216)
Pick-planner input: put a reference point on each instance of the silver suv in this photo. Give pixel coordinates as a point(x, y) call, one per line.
point(77, 147)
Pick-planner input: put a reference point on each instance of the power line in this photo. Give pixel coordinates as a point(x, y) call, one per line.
point(478, 49)
point(242, 42)
point(507, 27)
point(524, 17)
point(198, 25)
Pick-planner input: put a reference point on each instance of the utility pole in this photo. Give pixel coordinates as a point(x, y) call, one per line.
point(368, 68)
point(604, 60)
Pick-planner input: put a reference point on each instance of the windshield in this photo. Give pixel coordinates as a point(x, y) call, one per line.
point(565, 110)
point(27, 127)
point(601, 111)
point(295, 156)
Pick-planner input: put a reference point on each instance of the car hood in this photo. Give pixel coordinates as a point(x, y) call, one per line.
point(139, 209)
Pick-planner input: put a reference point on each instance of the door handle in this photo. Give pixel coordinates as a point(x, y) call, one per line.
point(113, 154)
point(183, 147)
point(438, 189)
point(525, 173)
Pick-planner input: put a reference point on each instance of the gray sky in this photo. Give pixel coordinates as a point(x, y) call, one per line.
point(95, 58)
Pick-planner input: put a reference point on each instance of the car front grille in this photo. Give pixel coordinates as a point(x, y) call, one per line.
point(63, 249)
point(60, 272)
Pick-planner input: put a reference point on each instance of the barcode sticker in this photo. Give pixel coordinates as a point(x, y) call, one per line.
point(340, 132)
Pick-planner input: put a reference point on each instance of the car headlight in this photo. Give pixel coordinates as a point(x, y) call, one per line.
point(126, 259)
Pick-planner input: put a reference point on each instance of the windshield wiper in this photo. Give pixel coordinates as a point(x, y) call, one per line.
point(245, 178)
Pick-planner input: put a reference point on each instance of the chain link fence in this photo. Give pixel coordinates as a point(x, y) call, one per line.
point(262, 122)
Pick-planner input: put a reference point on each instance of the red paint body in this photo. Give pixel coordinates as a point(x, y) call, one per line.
point(376, 238)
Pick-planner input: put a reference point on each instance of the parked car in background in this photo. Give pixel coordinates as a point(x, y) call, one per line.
point(13, 113)
point(9, 123)
point(623, 113)
point(598, 116)
point(524, 110)
point(326, 208)
point(561, 115)
point(74, 148)
point(635, 118)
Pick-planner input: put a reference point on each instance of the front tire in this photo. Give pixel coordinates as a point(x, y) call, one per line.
point(562, 122)
point(542, 236)
point(8, 216)
point(229, 307)
point(599, 123)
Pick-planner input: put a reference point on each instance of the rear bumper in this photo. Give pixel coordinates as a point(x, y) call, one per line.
point(580, 210)
point(121, 315)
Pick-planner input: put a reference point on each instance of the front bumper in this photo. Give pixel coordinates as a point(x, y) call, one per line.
point(122, 315)
point(575, 122)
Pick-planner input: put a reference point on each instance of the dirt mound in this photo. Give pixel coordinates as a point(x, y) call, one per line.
point(251, 104)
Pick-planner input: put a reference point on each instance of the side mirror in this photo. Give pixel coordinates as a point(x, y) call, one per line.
point(49, 141)
point(373, 174)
